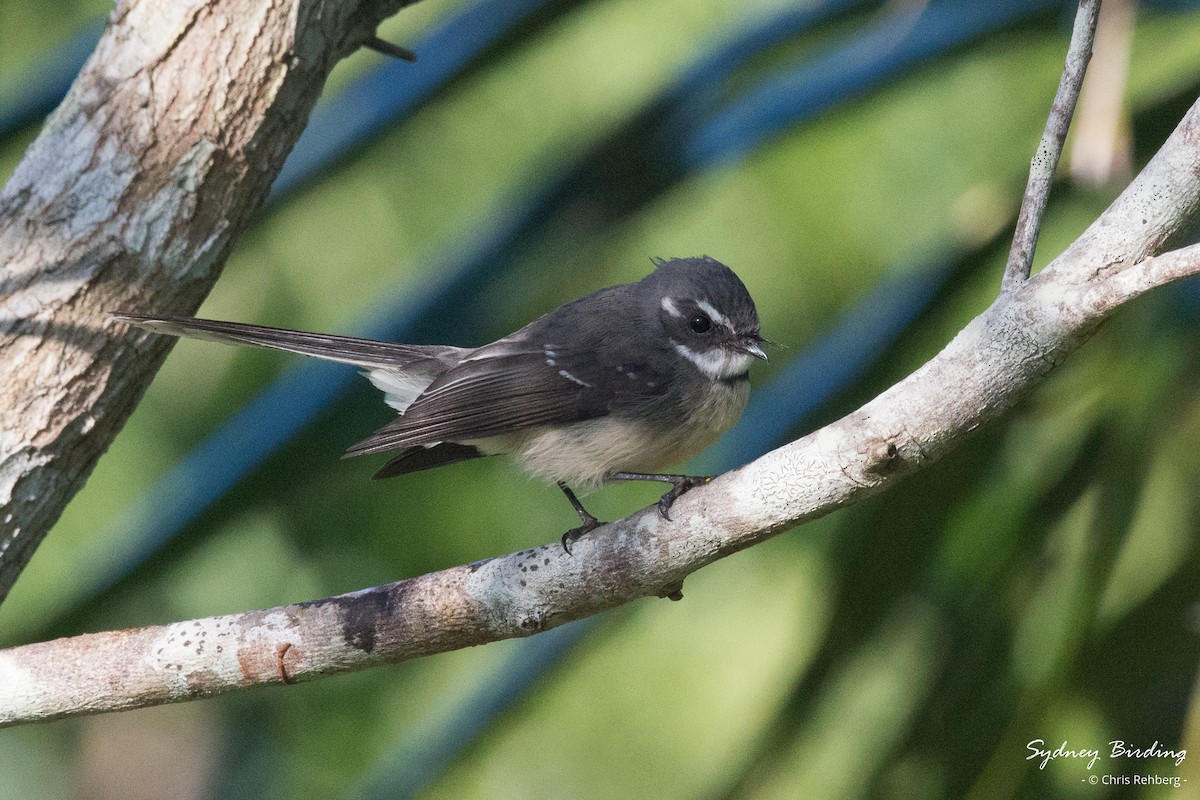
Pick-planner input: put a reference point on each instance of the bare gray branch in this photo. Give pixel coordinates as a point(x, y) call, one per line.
point(1045, 160)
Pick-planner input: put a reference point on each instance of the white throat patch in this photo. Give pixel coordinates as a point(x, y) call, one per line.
point(718, 363)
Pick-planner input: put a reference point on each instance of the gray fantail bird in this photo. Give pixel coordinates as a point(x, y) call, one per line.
point(613, 386)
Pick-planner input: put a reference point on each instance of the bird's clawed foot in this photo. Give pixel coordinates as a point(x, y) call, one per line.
point(575, 534)
point(680, 485)
point(590, 523)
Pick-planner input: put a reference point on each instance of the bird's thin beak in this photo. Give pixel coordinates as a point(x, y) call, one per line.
point(753, 347)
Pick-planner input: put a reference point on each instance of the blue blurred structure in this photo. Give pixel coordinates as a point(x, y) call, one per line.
point(46, 81)
point(415, 761)
point(390, 93)
point(835, 361)
point(894, 43)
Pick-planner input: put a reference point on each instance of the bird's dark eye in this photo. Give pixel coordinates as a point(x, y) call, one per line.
point(700, 323)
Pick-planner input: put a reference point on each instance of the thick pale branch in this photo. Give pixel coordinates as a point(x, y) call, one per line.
point(1045, 160)
point(990, 365)
point(131, 197)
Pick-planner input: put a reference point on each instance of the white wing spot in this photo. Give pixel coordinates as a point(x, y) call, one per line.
point(573, 379)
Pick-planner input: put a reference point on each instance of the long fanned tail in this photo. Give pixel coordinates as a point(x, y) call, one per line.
point(347, 349)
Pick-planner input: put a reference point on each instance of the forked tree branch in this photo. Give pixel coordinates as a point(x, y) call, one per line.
point(997, 359)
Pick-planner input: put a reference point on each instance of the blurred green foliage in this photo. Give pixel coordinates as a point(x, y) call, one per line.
point(1041, 583)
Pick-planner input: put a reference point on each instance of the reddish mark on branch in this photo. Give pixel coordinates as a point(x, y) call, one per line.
point(280, 652)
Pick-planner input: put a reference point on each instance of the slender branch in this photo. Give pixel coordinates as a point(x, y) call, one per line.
point(996, 360)
point(389, 49)
point(1158, 270)
point(1045, 160)
point(132, 196)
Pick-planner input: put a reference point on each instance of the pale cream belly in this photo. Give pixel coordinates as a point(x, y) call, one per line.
point(583, 453)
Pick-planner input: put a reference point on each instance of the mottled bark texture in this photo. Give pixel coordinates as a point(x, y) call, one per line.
point(997, 359)
point(131, 198)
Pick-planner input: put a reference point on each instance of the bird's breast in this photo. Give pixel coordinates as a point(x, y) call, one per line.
point(643, 440)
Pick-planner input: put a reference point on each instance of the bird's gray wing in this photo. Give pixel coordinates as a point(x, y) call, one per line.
point(507, 387)
point(347, 349)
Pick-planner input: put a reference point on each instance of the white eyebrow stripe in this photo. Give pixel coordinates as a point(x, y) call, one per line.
point(669, 306)
point(714, 315)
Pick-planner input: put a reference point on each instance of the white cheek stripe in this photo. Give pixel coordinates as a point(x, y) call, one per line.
point(716, 364)
point(714, 315)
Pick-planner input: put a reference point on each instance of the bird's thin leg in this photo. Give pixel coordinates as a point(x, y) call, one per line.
point(590, 523)
point(679, 485)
